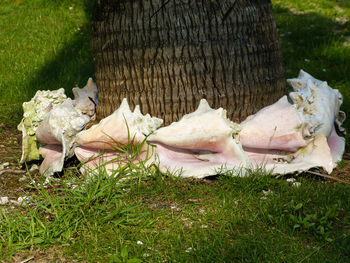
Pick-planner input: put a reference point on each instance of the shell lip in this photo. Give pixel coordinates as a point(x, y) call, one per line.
point(195, 151)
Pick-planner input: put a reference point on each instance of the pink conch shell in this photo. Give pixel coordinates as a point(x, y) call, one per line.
point(200, 144)
point(296, 137)
point(337, 146)
point(58, 131)
point(98, 144)
point(85, 99)
point(316, 154)
point(277, 127)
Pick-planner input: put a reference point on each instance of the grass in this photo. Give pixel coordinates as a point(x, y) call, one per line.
point(176, 220)
point(157, 218)
point(315, 37)
point(45, 44)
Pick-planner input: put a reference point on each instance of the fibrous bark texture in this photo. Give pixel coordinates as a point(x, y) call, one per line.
point(166, 55)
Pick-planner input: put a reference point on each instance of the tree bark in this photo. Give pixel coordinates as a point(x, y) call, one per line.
point(166, 55)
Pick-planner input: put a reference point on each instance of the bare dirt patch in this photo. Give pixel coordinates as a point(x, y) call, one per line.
point(343, 171)
point(53, 254)
point(10, 153)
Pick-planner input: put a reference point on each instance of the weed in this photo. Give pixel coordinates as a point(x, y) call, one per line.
point(317, 224)
point(123, 257)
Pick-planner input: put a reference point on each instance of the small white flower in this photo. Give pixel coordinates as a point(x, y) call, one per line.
point(139, 242)
point(71, 8)
point(204, 226)
point(4, 200)
point(268, 192)
point(265, 193)
point(296, 184)
point(146, 255)
point(291, 180)
point(307, 60)
point(324, 70)
point(188, 250)
point(188, 224)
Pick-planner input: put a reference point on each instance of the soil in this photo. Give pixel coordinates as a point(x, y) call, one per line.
point(37, 255)
point(10, 152)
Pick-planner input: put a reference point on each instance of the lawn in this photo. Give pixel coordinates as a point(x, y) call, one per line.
point(152, 217)
point(44, 45)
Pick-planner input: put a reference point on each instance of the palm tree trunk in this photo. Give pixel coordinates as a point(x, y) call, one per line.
point(166, 55)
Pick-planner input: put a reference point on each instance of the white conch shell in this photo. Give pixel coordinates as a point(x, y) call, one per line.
point(200, 144)
point(318, 104)
point(300, 82)
point(123, 127)
point(58, 131)
point(35, 111)
point(85, 99)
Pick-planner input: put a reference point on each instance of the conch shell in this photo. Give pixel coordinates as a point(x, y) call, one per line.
point(294, 137)
point(296, 133)
point(35, 111)
point(200, 144)
point(107, 142)
point(317, 104)
point(277, 126)
point(50, 118)
point(58, 131)
point(85, 99)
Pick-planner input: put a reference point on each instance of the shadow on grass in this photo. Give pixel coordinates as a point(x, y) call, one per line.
point(318, 45)
point(73, 64)
point(71, 67)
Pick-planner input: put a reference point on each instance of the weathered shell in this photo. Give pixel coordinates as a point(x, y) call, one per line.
point(35, 111)
point(85, 99)
point(316, 154)
point(317, 104)
point(200, 144)
point(295, 137)
point(58, 131)
point(39, 107)
point(99, 143)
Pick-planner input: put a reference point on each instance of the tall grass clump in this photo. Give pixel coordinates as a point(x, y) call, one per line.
point(74, 208)
point(59, 214)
